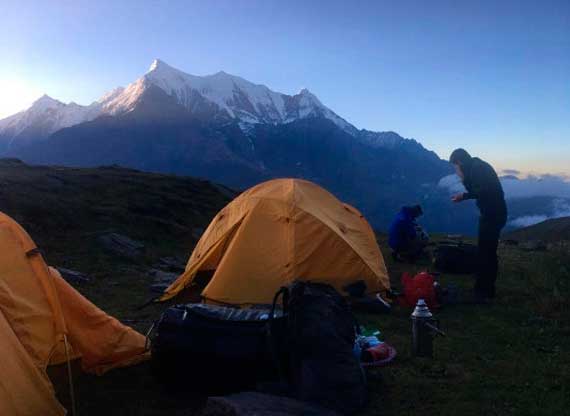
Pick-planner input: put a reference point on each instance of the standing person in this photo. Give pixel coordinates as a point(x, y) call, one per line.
point(482, 183)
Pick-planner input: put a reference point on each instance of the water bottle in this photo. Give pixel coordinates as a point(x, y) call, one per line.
point(424, 329)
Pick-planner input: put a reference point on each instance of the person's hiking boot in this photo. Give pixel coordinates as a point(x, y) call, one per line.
point(480, 299)
point(396, 257)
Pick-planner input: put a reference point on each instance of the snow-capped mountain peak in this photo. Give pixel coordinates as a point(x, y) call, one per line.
point(305, 92)
point(45, 101)
point(154, 65)
point(45, 116)
point(233, 96)
point(220, 96)
point(109, 96)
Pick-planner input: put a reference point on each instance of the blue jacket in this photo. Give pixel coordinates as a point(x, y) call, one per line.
point(402, 229)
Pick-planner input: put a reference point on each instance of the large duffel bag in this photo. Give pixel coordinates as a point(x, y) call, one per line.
point(456, 257)
point(217, 350)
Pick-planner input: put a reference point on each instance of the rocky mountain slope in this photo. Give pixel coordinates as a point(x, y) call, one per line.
point(229, 130)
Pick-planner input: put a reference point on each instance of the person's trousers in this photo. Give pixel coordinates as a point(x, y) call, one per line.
point(488, 264)
point(411, 248)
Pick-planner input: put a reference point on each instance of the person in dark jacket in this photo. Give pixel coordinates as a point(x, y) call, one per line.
point(482, 184)
point(405, 235)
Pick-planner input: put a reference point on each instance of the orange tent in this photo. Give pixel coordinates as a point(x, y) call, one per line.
point(279, 231)
point(44, 321)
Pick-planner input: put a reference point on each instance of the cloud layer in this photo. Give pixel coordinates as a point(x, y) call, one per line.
point(561, 208)
point(511, 172)
point(545, 185)
point(552, 186)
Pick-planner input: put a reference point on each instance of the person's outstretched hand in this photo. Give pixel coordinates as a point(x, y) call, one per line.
point(457, 198)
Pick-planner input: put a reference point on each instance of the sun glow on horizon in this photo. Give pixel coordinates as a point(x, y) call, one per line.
point(17, 95)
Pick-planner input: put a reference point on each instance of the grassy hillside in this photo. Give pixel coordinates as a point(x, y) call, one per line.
point(511, 358)
point(67, 210)
point(551, 231)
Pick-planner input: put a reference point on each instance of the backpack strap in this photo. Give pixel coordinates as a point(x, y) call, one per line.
point(283, 292)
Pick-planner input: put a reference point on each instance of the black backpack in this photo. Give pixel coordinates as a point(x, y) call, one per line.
point(321, 331)
point(456, 257)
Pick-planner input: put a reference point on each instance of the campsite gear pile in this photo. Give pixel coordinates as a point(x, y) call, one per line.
point(308, 346)
point(422, 234)
point(371, 350)
point(421, 286)
point(455, 257)
point(43, 322)
point(276, 232)
point(424, 328)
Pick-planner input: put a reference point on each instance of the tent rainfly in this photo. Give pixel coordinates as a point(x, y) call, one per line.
point(44, 321)
point(277, 232)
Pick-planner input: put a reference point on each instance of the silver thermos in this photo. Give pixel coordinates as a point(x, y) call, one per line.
point(424, 329)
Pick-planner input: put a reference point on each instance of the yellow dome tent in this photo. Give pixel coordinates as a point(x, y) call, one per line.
point(44, 321)
point(277, 232)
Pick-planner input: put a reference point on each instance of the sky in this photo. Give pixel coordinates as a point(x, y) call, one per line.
point(490, 76)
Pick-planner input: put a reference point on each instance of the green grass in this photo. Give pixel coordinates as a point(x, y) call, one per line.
point(511, 358)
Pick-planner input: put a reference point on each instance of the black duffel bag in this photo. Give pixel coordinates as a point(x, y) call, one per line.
point(456, 257)
point(217, 350)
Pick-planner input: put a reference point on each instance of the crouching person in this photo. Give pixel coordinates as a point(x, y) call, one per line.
point(406, 238)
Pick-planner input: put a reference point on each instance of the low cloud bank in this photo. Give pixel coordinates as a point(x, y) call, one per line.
point(511, 172)
point(561, 208)
point(527, 220)
point(553, 186)
point(545, 185)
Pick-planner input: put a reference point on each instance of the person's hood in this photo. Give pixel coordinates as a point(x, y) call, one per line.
point(407, 212)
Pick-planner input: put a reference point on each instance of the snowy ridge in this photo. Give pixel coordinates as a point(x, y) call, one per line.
point(234, 98)
point(52, 115)
point(386, 139)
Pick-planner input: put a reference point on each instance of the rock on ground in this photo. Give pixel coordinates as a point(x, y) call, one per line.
point(72, 276)
point(158, 287)
point(161, 280)
point(197, 232)
point(256, 404)
point(171, 264)
point(121, 245)
point(533, 245)
point(161, 276)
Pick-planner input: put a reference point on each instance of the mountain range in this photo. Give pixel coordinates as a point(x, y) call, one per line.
point(220, 97)
point(224, 128)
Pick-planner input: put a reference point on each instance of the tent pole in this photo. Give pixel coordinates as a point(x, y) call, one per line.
point(70, 376)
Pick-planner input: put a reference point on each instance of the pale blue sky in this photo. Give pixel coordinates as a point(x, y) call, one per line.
point(490, 76)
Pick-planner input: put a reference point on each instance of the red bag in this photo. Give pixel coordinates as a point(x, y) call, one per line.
point(417, 287)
